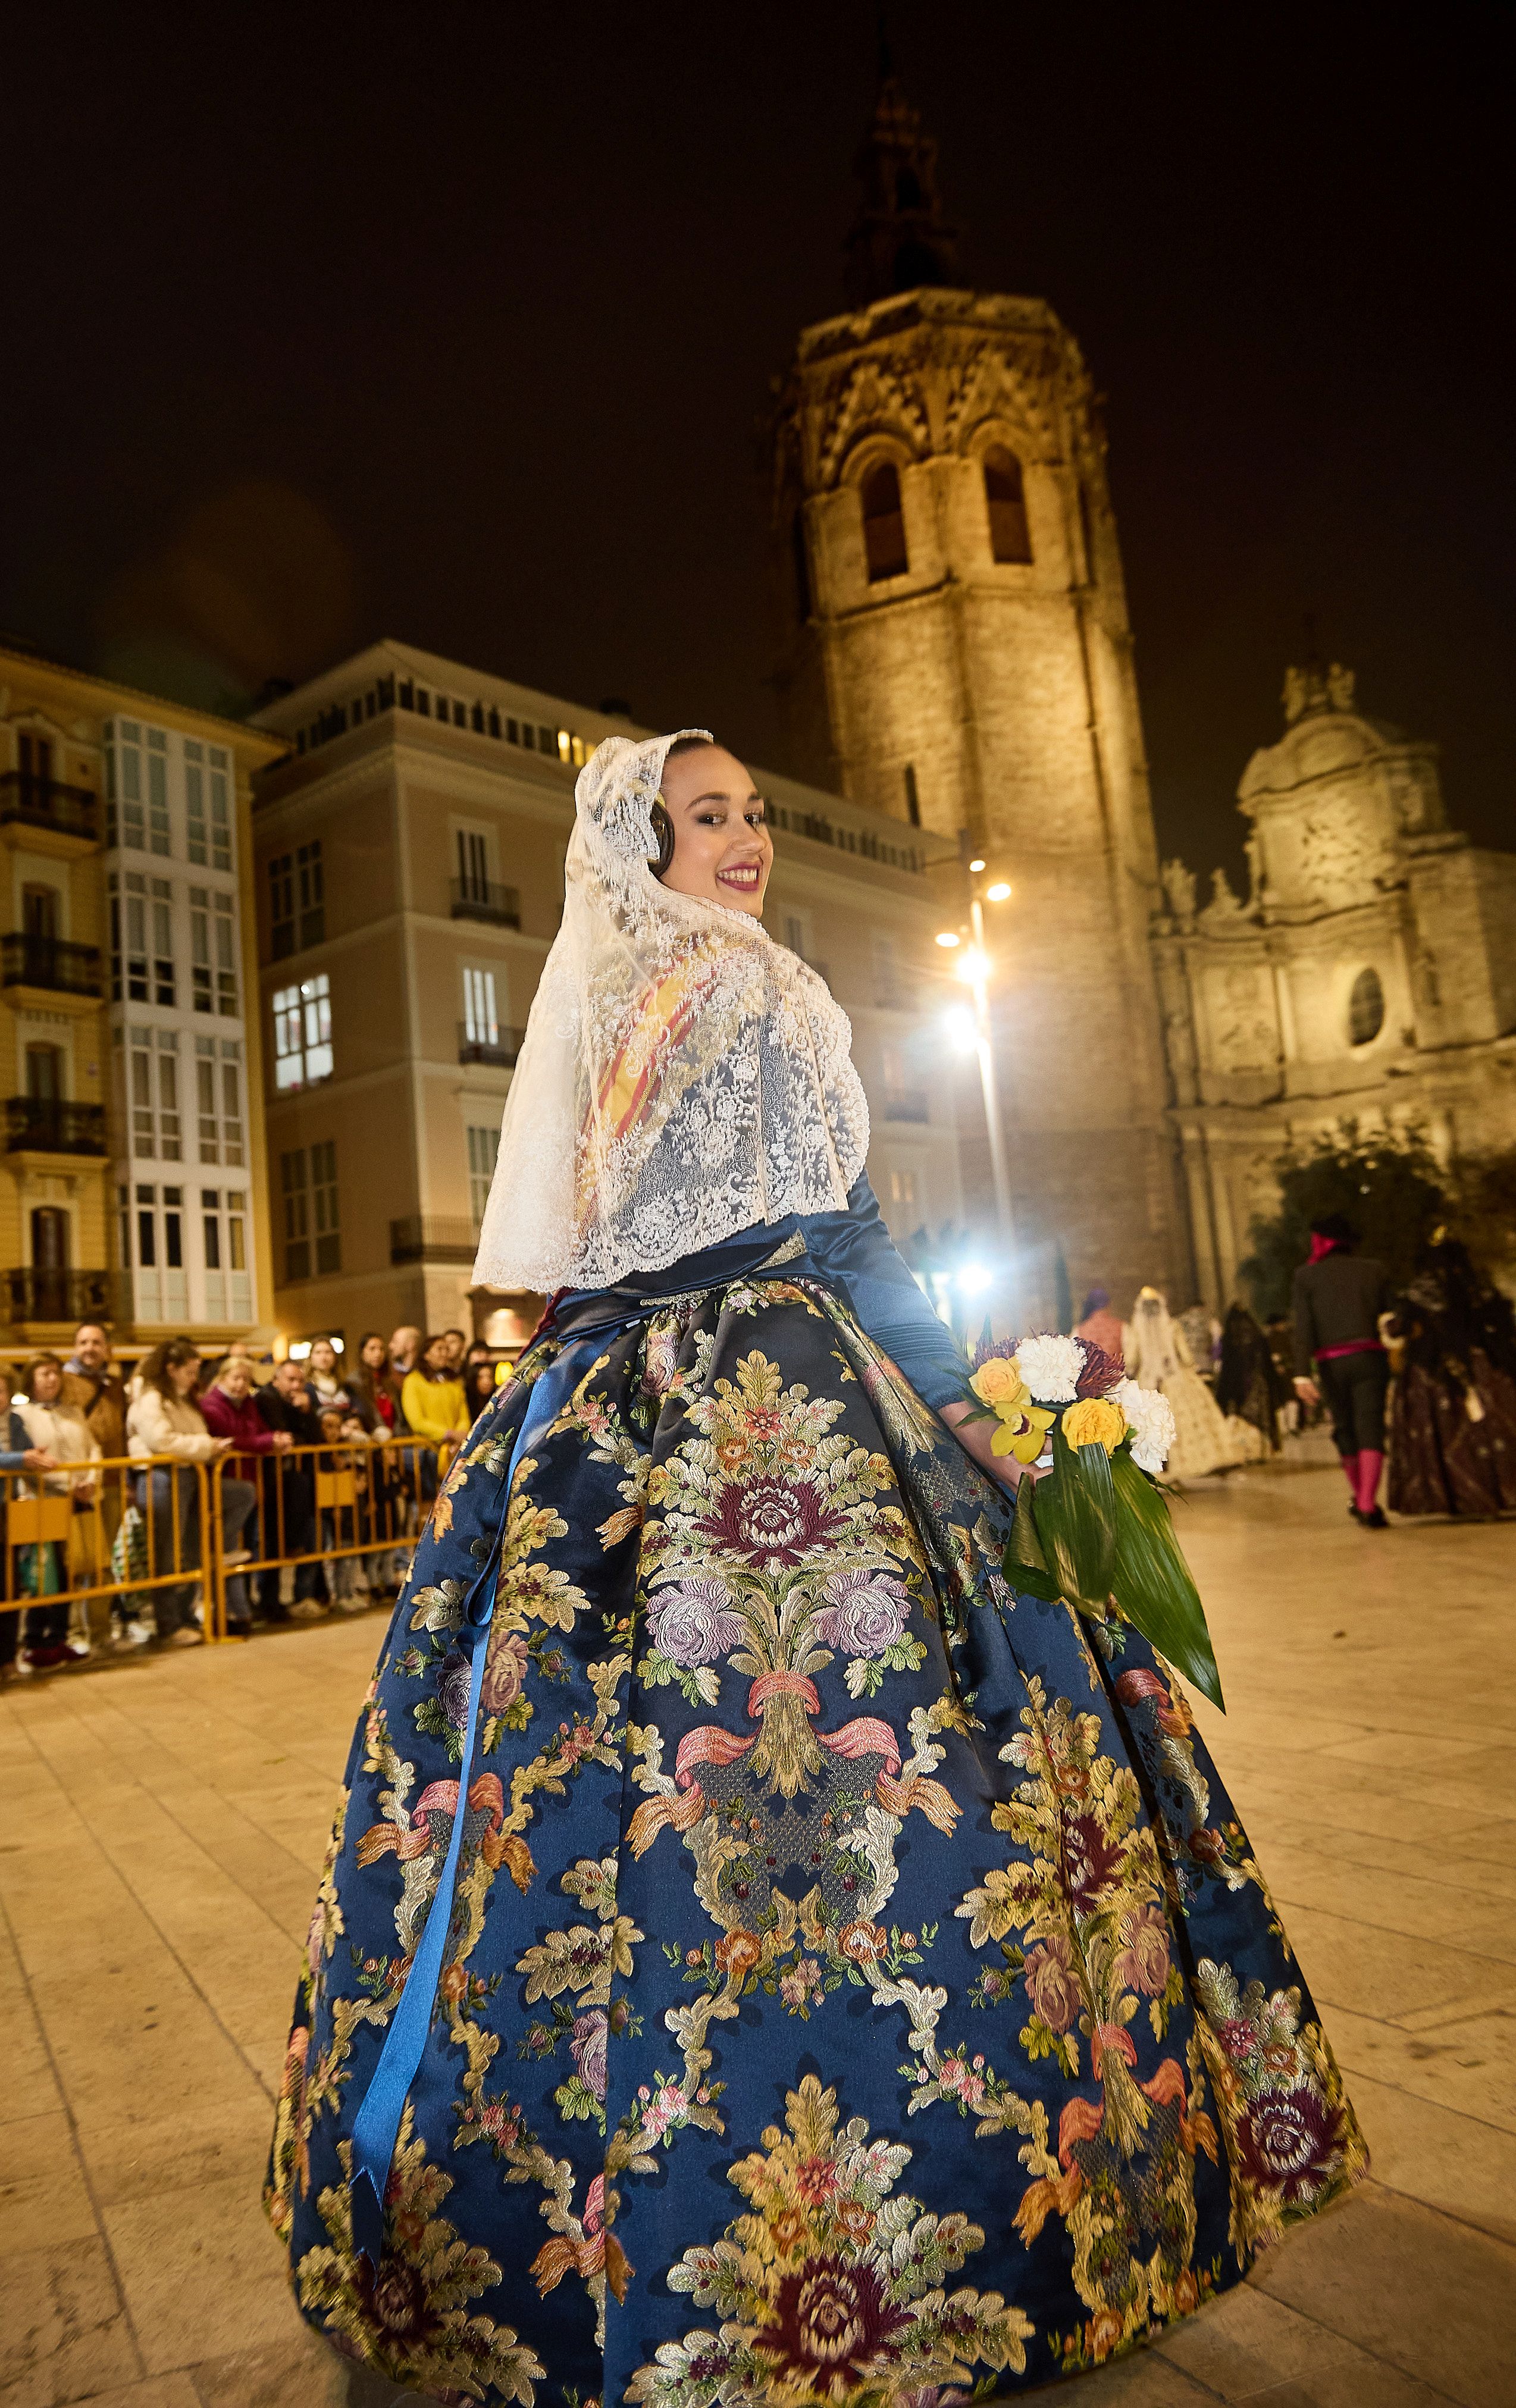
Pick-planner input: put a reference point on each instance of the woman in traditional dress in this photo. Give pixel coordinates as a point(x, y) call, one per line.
point(1158, 1356)
point(1099, 1326)
point(761, 1957)
point(1452, 1410)
point(1249, 1388)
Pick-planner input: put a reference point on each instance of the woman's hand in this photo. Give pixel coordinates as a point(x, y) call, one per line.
point(973, 1433)
point(36, 1458)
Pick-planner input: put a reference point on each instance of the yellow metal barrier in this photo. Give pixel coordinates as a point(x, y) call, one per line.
point(326, 1504)
point(61, 1532)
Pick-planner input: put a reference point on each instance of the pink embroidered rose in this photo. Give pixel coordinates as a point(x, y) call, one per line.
point(1051, 1983)
point(1143, 1960)
point(505, 1672)
point(693, 1623)
point(866, 1612)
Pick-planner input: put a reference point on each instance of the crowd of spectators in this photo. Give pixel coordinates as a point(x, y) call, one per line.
point(315, 1457)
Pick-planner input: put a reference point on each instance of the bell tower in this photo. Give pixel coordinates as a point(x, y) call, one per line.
point(956, 652)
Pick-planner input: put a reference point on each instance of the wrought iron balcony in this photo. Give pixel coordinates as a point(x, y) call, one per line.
point(34, 1293)
point(50, 962)
point(43, 803)
point(433, 1237)
point(497, 1053)
point(47, 1125)
point(478, 898)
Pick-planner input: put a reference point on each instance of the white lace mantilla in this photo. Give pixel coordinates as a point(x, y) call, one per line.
point(682, 1077)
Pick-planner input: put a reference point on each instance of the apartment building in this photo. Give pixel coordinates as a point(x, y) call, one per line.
point(409, 852)
point(132, 1169)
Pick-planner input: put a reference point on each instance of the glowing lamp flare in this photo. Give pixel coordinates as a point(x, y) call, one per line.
point(999, 892)
point(948, 939)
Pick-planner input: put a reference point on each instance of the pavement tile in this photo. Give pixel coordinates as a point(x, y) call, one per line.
point(44, 2200)
point(1470, 2067)
point(1455, 2163)
point(302, 2372)
point(202, 2272)
point(65, 2326)
point(1430, 2295)
point(1246, 2341)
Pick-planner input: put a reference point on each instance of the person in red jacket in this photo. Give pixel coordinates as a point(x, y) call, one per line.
point(230, 1411)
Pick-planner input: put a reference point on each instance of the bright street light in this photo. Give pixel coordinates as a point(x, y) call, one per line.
point(962, 1031)
point(973, 1279)
point(974, 867)
point(947, 938)
point(998, 894)
point(973, 968)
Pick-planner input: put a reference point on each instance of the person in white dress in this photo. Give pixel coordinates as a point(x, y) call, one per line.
point(1158, 1356)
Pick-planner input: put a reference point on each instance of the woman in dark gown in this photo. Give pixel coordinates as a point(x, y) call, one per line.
point(761, 1957)
point(1248, 1383)
point(1452, 1410)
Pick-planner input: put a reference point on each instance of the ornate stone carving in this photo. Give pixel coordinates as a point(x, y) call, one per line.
point(873, 397)
point(1243, 1019)
point(1341, 861)
point(986, 383)
point(1180, 888)
point(1224, 908)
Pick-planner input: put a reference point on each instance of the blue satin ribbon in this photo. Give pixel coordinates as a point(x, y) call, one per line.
point(377, 2123)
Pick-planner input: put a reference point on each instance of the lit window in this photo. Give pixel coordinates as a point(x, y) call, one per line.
point(902, 1188)
point(303, 1033)
point(480, 1022)
point(484, 1145)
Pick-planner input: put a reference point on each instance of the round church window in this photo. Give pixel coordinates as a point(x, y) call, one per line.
point(1366, 1009)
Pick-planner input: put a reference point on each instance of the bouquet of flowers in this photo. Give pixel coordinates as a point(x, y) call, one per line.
point(1095, 1528)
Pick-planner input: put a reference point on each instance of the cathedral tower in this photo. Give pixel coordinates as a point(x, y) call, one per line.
point(956, 652)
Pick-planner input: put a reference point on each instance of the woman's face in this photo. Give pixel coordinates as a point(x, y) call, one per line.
point(235, 1379)
point(722, 849)
point(322, 1356)
point(46, 1382)
point(184, 1375)
point(435, 1358)
point(375, 1353)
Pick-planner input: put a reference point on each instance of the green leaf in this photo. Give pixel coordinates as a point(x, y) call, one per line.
point(1025, 1547)
point(1031, 1580)
point(1150, 1580)
point(1075, 1507)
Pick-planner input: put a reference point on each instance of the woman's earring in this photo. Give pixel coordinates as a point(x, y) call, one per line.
point(663, 831)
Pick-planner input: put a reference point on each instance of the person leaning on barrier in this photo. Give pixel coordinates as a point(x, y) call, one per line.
point(47, 1572)
point(231, 1413)
point(93, 1384)
point(164, 1419)
point(289, 1498)
point(16, 1455)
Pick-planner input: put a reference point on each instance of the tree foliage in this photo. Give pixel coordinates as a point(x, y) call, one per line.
point(1392, 1190)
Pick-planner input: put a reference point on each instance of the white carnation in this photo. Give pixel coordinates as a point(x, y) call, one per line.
point(1149, 1417)
point(1050, 1367)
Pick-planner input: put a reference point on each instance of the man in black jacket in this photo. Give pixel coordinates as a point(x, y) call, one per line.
point(289, 1495)
point(1338, 1297)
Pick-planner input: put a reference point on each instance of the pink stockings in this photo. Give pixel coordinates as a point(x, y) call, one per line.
point(1361, 1472)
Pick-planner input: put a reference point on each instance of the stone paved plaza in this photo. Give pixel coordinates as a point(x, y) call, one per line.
point(163, 1828)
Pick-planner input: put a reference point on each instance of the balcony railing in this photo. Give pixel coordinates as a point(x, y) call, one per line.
point(47, 1124)
point(42, 803)
point(50, 962)
point(498, 1053)
point(433, 1237)
point(907, 1104)
point(30, 1294)
point(477, 899)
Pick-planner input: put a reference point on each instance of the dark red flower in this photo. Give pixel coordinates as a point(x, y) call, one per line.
point(1287, 2140)
point(1101, 1370)
point(1089, 1860)
point(771, 1520)
point(829, 2321)
point(396, 2301)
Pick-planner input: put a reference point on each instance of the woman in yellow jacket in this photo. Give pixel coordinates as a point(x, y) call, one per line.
point(432, 1399)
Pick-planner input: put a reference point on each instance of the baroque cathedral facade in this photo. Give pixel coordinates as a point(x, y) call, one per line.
point(957, 654)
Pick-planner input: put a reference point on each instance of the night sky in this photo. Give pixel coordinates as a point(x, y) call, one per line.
point(456, 324)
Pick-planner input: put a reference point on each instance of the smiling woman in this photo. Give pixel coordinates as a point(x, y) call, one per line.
point(722, 850)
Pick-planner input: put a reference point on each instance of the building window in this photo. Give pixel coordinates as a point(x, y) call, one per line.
point(45, 1073)
point(1010, 537)
point(219, 1100)
point(303, 1033)
point(160, 1238)
point(888, 978)
point(883, 523)
point(473, 865)
point(903, 1187)
point(308, 1183)
point(281, 907)
point(153, 1090)
point(214, 951)
point(484, 1145)
point(913, 800)
point(162, 942)
point(481, 1021)
point(207, 805)
point(224, 1231)
point(311, 883)
point(1366, 1009)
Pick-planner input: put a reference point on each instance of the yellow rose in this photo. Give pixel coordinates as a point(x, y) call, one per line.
point(1022, 1434)
point(999, 1383)
point(1094, 1421)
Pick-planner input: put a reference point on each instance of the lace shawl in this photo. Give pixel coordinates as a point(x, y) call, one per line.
point(683, 1076)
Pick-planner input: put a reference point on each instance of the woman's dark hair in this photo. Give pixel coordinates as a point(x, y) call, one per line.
point(436, 1337)
point(663, 823)
point(24, 1384)
point(1335, 1227)
point(369, 1381)
point(167, 1357)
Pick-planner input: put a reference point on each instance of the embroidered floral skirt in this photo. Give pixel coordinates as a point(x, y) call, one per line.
point(856, 1982)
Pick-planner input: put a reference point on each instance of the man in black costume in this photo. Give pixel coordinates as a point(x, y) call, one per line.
point(1338, 1297)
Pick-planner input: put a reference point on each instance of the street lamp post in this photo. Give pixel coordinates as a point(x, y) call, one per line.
point(973, 968)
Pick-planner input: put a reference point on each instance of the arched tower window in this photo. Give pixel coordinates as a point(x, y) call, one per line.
point(1366, 1009)
point(883, 523)
point(1010, 537)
